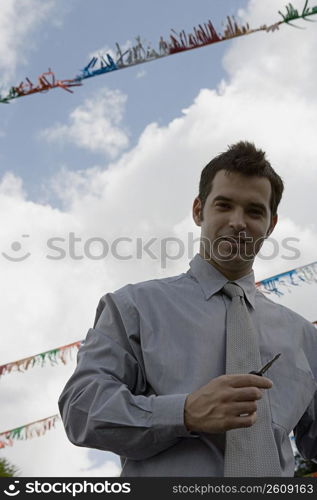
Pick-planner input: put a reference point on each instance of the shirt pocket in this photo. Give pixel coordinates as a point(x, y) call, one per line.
point(290, 395)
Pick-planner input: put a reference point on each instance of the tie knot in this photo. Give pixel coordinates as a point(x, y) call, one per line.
point(233, 290)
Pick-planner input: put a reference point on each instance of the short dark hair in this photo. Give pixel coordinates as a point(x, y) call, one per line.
point(242, 158)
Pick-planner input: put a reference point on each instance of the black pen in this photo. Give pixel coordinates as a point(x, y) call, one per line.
point(265, 367)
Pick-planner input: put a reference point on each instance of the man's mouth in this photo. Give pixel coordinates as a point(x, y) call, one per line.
point(238, 240)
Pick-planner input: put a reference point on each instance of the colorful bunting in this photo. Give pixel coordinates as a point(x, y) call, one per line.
point(54, 355)
point(138, 54)
point(295, 277)
point(37, 428)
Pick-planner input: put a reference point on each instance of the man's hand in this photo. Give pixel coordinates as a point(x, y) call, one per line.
point(217, 406)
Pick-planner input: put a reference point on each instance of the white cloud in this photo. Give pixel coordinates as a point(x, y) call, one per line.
point(95, 125)
point(18, 21)
point(148, 192)
point(141, 74)
point(11, 187)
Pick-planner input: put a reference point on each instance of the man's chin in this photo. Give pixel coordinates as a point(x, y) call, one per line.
point(233, 258)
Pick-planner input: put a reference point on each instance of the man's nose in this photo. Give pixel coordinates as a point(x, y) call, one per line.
point(237, 220)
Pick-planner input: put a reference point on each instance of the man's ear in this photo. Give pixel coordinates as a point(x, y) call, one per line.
point(272, 225)
point(197, 211)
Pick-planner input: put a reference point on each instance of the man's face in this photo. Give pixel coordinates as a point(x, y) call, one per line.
point(236, 219)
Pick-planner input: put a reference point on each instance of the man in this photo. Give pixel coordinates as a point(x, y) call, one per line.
point(157, 380)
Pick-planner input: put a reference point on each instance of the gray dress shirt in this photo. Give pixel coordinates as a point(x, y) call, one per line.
point(155, 342)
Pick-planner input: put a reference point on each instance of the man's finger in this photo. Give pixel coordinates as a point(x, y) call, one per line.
point(249, 380)
point(246, 394)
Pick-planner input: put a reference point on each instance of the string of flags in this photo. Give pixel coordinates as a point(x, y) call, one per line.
point(294, 277)
point(37, 428)
point(53, 356)
point(142, 52)
point(288, 279)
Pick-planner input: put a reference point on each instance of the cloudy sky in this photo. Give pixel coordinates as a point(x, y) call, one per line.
point(121, 158)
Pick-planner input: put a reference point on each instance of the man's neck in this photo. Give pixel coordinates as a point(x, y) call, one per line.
point(233, 273)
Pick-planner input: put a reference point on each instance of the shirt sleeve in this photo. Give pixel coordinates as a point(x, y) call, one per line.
point(305, 432)
point(107, 404)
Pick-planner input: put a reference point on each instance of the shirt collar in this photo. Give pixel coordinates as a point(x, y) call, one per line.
point(211, 280)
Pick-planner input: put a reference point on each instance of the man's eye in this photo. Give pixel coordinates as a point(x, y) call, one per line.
point(255, 212)
point(223, 205)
